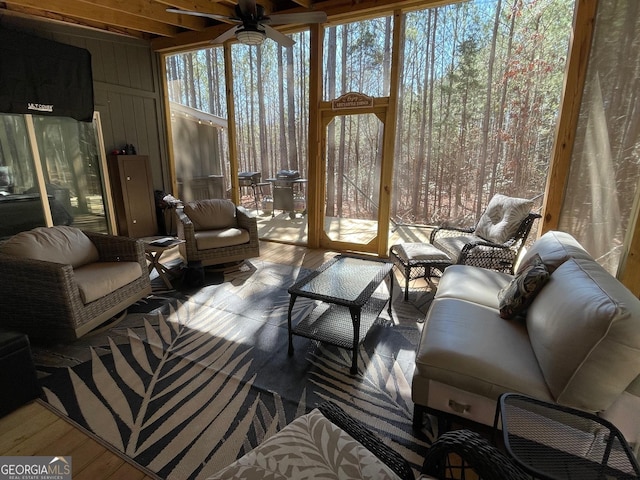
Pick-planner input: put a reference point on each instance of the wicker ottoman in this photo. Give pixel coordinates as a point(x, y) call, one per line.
point(418, 260)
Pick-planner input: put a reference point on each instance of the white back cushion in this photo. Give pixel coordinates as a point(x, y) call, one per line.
point(60, 244)
point(503, 216)
point(584, 327)
point(555, 248)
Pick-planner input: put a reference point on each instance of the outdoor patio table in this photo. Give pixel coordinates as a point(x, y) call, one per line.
point(554, 442)
point(348, 285)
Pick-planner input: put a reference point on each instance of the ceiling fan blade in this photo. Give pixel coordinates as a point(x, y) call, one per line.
point(248, 8)
point(275, 35)
point(213, 16)
point(225, 36)
point(304, 17)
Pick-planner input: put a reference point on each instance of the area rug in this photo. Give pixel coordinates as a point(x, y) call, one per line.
point(190, 381)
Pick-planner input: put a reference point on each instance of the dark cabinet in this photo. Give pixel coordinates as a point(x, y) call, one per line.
point(133, 198)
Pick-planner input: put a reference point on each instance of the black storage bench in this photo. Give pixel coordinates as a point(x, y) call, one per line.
point(17, 372)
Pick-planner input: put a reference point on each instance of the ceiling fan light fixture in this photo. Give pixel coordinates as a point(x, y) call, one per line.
point(250, 37)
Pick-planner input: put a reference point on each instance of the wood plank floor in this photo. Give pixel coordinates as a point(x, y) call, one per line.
point(36, 430)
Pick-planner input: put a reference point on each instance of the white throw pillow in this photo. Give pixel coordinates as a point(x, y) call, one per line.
point(503, 216)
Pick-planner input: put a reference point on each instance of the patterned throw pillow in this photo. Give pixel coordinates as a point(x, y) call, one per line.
point(516, 297)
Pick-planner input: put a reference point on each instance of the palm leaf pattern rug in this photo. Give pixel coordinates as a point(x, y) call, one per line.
point(201, 378)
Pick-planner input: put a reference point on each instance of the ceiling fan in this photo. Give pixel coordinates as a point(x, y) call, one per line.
point(254, 26)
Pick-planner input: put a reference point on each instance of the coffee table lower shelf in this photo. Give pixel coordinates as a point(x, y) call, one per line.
point(329, 323)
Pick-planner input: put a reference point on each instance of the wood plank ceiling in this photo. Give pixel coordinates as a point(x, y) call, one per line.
point(170, 32)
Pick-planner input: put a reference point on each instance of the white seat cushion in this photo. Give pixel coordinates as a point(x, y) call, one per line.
point(227, 237)
point(473, 284)
point(417, 252)
point(453, 246)
point(98, 279)
point(468, 345)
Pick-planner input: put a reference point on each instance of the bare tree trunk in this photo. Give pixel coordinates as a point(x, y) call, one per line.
point(190, 82)
point(343, 138)
point(432, 80)
point(262, 125)
point(422, 129)
point(251, 131)
point(331, 128)
point(500, 128)
point(284, 156)
point(292, 156)
point(487, 112)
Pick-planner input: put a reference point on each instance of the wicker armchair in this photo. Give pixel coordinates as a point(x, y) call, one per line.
point(43, 297)
point(216, 231)
point(496, 241)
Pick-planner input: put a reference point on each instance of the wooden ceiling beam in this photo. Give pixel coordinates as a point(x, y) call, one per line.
point(202, 6)
point(50, 16)
point(188, 40)
point(153, 10)
point(341, 11)
point(338, 11)
point(98, 14)
point(304, 3)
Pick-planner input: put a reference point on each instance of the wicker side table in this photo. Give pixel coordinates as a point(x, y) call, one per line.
point(418, 260)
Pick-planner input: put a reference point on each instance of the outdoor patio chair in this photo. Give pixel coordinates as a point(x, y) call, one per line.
point(216, 231)
point(61, 282)
point(496, 241)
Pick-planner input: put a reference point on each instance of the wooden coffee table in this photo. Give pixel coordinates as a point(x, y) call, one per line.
point(345, 285)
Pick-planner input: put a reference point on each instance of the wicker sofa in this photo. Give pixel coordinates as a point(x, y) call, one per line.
point(576, 342)
point(60, 282)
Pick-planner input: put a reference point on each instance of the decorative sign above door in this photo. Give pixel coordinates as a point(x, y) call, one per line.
point(352, 100)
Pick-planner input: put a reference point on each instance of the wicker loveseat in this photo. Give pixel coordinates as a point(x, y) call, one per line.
point(59, 283)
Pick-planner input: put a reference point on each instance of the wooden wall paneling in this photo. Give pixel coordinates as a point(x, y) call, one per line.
point(141, 119)
point(133, 57)
point(157, 142)
point(118, 131)
point(97, 65)
point(109, 59)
